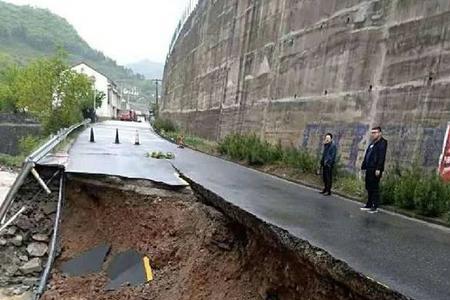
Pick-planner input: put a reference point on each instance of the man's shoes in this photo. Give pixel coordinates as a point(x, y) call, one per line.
point(327, 194)
point(322, 192)
point(365, 208)
point(373, 211)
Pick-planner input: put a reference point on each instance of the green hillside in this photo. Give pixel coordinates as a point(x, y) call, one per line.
point(27, 33)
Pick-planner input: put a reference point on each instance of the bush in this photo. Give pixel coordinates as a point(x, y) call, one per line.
point(432, 196)
point(255, 151)
point(163, 124)
point(300, 159)
point(388, 185)
point(28, 144)
point(11, 161)
point(404, 190)
point(250, 148)
point(350, 185)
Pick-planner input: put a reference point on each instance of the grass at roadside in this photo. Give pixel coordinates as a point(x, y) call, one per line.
point(11, 161)
point(194, 142)
point(26, 145)
point(29, 144)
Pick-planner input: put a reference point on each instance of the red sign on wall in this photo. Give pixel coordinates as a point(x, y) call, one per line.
point(444, 164)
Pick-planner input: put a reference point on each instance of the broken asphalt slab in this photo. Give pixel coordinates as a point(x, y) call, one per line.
point(126, 268)
point(86, 263)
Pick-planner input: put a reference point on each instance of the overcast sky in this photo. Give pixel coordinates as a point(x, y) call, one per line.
point(125, 30)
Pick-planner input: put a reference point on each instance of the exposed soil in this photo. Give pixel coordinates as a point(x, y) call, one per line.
point(193, 252)
point(196, 252)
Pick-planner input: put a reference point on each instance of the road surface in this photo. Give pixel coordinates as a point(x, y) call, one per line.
point(407, 255)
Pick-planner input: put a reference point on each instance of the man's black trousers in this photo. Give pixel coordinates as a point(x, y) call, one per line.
point(373, 188)
point(327, 172)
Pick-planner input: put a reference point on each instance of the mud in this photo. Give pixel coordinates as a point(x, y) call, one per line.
point(197, 249)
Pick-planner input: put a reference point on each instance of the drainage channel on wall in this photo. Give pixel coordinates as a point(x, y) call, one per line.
point(135, 239)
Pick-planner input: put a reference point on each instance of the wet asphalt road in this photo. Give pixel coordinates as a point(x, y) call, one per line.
point(124, 159)
point(406, 255)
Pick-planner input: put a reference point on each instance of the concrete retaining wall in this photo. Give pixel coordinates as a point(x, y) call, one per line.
point(13, 127)
point(292, 70)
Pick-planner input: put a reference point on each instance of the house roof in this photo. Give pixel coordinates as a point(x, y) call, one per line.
point(96, 70)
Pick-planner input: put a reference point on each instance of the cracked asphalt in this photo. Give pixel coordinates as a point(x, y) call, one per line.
point(407, 255)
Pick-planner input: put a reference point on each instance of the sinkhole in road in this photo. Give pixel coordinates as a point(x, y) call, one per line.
point(196, 250)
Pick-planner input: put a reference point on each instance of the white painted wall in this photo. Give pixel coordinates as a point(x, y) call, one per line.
point(101, 84)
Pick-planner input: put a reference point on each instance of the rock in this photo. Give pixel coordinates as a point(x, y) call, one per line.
point(37, 249)
point(39, 217)
point(11, 230)
point(49, 208)
point(23, 257)
point(20, 290)
point(3, 242)
point(17, 240)
point(40, 237)
point(32, 266)
point(31, 280)
point(11, 269)
point(24, 223)
point(362, 14)
point(376, 17)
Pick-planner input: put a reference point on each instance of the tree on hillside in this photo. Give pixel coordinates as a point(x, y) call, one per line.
point(8, 93)
point(53, 93)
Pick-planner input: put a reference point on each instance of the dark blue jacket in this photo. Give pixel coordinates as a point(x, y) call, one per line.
point(328, 155)
point(375, 156)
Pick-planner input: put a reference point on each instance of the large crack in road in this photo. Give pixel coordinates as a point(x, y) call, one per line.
point(199, 247)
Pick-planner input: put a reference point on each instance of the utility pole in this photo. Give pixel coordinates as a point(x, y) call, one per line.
point(157, 96)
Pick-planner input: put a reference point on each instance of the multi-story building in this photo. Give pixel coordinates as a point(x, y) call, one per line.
point(113, 101)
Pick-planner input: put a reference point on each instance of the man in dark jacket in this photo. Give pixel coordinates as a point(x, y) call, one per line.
point(373, 164)
point(327, 163)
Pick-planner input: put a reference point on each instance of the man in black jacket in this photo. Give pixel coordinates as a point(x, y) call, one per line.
point(373, 164)
point(327, 162)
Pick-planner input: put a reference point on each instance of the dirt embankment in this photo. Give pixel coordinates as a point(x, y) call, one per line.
point(196, 251)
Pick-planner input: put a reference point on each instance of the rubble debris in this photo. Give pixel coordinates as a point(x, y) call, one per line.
point(24, 244)
point(32, 266)
point(37, 249)
point(161, 155)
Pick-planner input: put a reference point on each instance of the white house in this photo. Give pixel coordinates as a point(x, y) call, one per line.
point(112, 103)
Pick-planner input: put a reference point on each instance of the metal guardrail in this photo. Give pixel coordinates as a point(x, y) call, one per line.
point(31, 161)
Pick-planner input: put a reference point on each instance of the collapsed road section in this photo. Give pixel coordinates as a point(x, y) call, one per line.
point(111, 230)
point(197, 245)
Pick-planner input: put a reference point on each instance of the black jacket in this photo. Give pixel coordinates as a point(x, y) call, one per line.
point(328, 155)
point(375, 156)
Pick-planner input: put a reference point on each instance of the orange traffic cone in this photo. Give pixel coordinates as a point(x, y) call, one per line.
point(180, 141)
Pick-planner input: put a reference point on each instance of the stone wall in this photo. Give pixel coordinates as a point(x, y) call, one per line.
point(292, 70)
point(13, 127)
point(24, 245)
